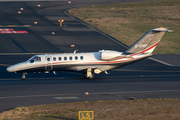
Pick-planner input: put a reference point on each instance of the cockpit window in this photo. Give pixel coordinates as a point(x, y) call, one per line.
point(35, 59)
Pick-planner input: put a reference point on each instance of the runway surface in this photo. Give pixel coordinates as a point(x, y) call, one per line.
point(155, 77)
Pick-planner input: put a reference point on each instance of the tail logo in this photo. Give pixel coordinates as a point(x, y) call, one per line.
point(140, 45)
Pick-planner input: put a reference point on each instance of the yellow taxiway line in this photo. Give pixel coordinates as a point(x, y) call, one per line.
point(4, 65)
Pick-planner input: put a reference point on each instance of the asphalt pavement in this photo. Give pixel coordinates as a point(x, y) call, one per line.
point(155, 77)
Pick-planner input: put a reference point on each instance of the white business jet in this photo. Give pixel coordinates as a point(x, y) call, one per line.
point(92, 62)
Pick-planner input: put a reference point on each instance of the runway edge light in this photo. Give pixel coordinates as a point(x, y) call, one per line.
point(72, 45)
point(35, 22)
point(86, 93)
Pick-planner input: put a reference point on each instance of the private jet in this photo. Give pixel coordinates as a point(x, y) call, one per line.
point(92, 62)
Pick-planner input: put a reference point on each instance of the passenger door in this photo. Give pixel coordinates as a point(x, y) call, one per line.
point(48, 63)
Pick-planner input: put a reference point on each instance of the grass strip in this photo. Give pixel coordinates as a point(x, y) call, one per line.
point(148, 109)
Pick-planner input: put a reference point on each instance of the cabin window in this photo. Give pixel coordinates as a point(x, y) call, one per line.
point(48, 59)
point(54, 58)
point(59, 58)
point(81, 57)
point(70, 58)
point(76, 58)
point(65, 58)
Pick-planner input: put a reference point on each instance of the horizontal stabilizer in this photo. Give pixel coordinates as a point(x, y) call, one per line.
point(153, 30)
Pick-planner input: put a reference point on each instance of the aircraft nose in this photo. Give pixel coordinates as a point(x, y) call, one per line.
point(10, 69)
point(15, 68)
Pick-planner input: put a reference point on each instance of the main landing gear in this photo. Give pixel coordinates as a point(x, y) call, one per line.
point(89, 73)
point(24, 76)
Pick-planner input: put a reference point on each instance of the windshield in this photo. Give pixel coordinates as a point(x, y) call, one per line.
point(35, 59)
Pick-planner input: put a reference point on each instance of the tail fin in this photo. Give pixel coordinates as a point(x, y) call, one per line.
point(148, 42)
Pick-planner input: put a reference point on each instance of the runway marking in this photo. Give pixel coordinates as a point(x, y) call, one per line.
point(144, 70)
point(143, 76)
point(151, 91)
point(62, 78)
point(48, 95)
point(39, 78)
point(95, 93)
point(65, 98)
point(28, 53)
point(15, 25)
point(10, 31)
point(162, 62)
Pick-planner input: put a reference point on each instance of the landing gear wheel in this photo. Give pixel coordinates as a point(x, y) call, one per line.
point(24, 76)
point(89, 73)
point(92, 76)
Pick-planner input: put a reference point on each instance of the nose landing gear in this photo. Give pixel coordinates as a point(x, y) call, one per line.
point(24, 76)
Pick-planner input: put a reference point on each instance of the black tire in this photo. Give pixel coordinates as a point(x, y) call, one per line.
point(23, 77)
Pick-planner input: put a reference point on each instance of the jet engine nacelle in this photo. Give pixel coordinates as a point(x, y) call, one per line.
point(111, 55)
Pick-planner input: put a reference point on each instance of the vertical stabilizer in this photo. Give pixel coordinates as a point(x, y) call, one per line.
point(148, 42)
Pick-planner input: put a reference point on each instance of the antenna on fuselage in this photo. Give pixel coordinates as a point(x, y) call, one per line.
point(75, 51)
